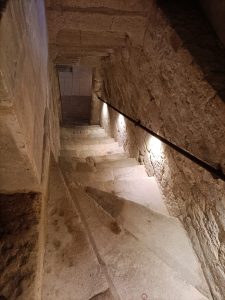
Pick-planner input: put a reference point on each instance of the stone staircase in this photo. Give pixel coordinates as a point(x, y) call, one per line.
point(110, 235)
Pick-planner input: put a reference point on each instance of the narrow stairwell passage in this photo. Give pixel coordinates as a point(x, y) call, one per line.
point(110, 235)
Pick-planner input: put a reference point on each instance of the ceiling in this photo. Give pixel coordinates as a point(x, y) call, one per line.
point(85, 31)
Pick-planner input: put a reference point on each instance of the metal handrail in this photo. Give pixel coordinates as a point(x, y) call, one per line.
point(215, 172)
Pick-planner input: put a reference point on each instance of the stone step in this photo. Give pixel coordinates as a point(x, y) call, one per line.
point(86, 141)
point(71, 268)
point(118, 163)
point(98, 159)
point(82, 131)
point(82, 127)
point(87, 177)
point(90, 164)
point(110, 157)
point(84, 135)
point(92, 148)
point(152, 230)
point(143, 191)
point(145, 253)
point(86, 150)
point(129, 172)
point(128, 183)
point(134, 270)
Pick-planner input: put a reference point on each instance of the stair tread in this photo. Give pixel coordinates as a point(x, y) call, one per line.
point(129, 172)
point(82, 131)
point(144, 191)
point(133, 269)
point(87, 141)
point(145, 252)
point(152, 229)
point(85, 135)
point(109, 158)
point(92, 147)
point(120, 163)
point(70, 263)
point(85, 174)
point(90, 152)
point(99, 159)
point(114, 164)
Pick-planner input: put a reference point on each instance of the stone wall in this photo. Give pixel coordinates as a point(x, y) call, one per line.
point(29, 131)
point(96, 91)
point(24, 94)
point(54, 109)
point(175, 85)
point(190, 193)
point(19, 223)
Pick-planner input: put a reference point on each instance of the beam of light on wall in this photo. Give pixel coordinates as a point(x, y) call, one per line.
point(155, 148)
point(105, 111)
point(105, 118)
point(121, 121)
point(121, 128)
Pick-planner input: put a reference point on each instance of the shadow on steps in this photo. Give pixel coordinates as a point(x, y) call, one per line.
point(103, 296)
point(162, 235)
point(112, 204)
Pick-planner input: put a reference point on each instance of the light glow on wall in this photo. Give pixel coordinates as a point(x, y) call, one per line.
point(121, 120)
point(105, 111)
point(155, 147)
point(121, 130)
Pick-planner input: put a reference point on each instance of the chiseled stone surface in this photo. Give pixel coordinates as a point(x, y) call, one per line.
point(24, 70)
point(96, 91)
point(129, 233)
point(29, 130)
point(28, 104)
point(71, 269)
point(175, 85)
point(190, 193)
point(169, 93)
point(19, 223)
point(54, 111)
point(94, 27)
point(162, 65)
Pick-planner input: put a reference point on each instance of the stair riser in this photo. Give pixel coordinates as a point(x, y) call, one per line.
point(123, 163)
point(85, 154)
point(82, 127)
point(82, 132)
point(70, 262)
point(109, 174)
point(142, 249)
point(110, 158)
point(130, 173)
point(92, 141)
point(97, 147)
point(83, 136)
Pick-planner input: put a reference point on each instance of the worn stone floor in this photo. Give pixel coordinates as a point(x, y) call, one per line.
point(109, 234)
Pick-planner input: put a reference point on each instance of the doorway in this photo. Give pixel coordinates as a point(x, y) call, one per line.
point(76, 89)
